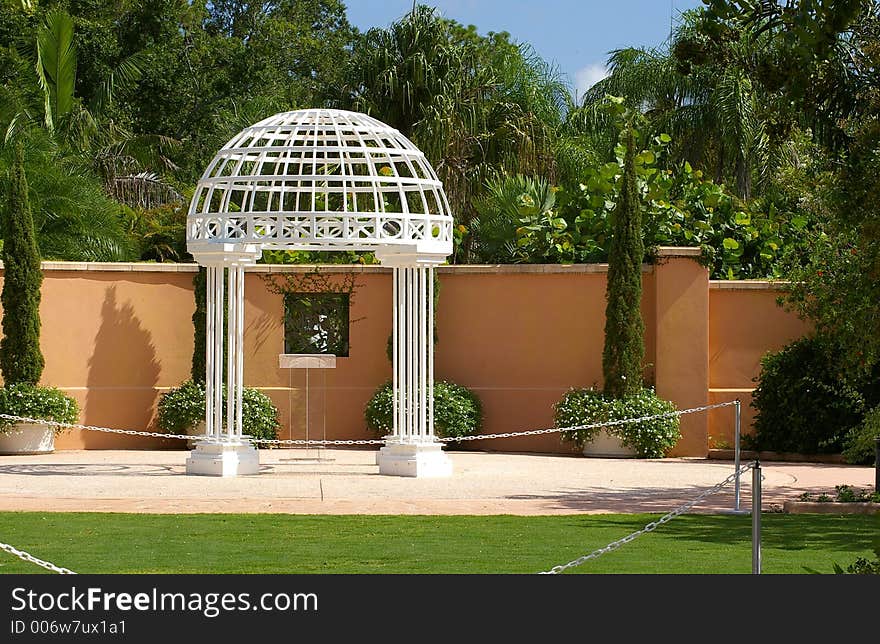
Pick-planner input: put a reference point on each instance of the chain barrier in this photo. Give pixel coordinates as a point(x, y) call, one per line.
point(609, 423)
point(21, 554)
point(266, 441)
point(614, 545)
point(374, 441)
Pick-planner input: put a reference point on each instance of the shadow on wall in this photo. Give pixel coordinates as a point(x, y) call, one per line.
point(122, 379)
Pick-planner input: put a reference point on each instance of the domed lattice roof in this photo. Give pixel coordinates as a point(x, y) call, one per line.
point(321, 179)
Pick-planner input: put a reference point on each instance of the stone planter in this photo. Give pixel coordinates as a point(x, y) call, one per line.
point(27, 438)
point(605, 445)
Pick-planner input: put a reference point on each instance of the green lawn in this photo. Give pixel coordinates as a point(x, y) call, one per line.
point(321, 544)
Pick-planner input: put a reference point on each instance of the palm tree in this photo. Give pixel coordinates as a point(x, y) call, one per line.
point(475, 106)
point(713, 112)
point(71, 144)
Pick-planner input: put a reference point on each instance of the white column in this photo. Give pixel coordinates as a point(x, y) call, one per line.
point(395, 362)
point(424, 348)
point(231, 340)
point(210, 302)
point(218, 351)
point(228, 454)
point(412, 449)
point(239, 354)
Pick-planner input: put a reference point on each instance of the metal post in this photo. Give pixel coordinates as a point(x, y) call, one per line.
point(877, 464)
point(756, 518)
point(736, 455)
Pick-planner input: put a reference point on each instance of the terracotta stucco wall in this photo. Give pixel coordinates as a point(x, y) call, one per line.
point(745, 323)
point(117, 336)
point(521, 339)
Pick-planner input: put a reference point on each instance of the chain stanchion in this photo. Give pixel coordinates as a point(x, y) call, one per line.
point(756, 518)
point(614, 545)
point(21, 554)
point(736, 431)
point(756, 494)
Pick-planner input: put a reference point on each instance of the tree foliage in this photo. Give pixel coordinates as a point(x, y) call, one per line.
point(20, 357)
point(624, 328)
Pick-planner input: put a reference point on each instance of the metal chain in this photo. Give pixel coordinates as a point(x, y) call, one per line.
point(609, 423)
point(372, 441)
point(614, 545)
point(92, 428)
point(272, 441)
point(556, 570)
point(27, 557)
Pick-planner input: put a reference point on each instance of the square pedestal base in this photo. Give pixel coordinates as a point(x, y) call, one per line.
point(422, 460)
point(223, 459)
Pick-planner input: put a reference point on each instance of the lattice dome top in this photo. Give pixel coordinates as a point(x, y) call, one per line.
point(320, 179)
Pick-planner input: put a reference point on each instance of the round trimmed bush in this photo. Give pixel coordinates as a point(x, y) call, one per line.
point(648, 438)
point(183, 407)
point(457, 410)
point(806, 403)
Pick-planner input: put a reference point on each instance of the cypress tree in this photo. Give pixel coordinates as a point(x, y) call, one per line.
point(21, 360)
point(200, 292)
point(624, 328)
point(199, 321)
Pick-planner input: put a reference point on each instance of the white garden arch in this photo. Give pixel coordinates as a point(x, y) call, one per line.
point(321, 179)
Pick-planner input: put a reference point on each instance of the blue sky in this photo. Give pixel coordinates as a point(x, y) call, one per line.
point(575, 35)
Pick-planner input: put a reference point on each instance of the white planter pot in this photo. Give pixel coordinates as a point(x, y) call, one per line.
point(27, 438)
point(605, 445)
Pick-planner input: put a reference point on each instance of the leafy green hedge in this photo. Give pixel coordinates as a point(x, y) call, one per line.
point(806, 401)
point(184, 406)
point(650, 438)
point(457, 410)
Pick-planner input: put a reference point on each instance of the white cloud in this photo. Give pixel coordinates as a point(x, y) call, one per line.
point(586, 77)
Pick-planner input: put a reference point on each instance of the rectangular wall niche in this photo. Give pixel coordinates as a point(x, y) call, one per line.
point(316, 323)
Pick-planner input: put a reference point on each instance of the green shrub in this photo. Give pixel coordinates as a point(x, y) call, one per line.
point(861, 566)
point(457, 410)
point(183, 407)
point(805, 403)
point(858, 444)
point(649, 439)
point(29, 401)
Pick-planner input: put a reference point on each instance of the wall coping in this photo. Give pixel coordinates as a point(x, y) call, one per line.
point(679, 251)
point(749, 285)
point(463, 269)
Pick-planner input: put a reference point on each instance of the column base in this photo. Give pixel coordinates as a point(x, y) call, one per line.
point(420, 460)
point(223, 459)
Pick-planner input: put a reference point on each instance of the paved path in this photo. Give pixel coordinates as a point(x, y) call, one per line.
point(337, 481)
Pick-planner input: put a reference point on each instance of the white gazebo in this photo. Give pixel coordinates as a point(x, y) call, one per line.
point(321, 179)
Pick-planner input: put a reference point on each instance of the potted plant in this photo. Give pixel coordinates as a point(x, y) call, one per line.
point(645, 439)
point(457, 411)
point(21, 360)
point(28, 401)
point(182, 411)
point(623, 396)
